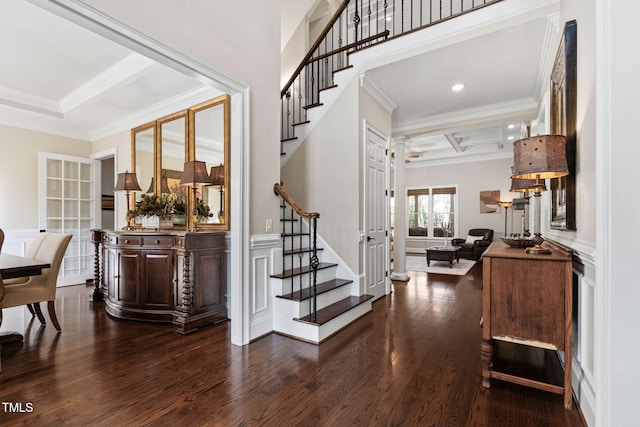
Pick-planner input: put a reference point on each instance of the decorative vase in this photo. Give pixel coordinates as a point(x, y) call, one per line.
point(165, 224)
point(179, 219)
point(151, 221)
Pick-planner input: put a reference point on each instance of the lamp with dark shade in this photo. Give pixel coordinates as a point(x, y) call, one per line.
point(127, 181)
point(217, 178)
point(538, 158)
point(193, 175)
point(164, 186)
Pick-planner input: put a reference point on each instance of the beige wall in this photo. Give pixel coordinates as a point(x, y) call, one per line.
point(471, 178)
point(322, 175)
point(240, 40)
point(19, 172)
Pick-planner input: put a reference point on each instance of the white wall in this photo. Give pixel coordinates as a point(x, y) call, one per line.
point(618, 204)
point(19, 172)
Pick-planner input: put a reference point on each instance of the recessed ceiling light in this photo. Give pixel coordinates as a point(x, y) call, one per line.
point(457, 87)
point(510, 138)
point(511, 126)
point(388, 19)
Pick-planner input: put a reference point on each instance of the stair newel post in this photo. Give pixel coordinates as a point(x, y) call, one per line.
point(314, 265)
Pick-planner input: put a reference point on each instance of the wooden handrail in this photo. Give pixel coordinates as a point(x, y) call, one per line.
point(349, 46)
point(313, 48)
point(279, 191)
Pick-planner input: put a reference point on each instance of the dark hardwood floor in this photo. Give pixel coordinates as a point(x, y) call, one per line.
point(413, 361)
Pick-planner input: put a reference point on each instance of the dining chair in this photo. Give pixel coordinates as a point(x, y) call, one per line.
point(49, 248)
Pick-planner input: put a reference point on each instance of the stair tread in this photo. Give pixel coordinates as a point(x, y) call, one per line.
point(342, 69)
point(321, 288)
point(294, 234)
point(299, 271)
point(301, 123)
point(299, 251)
point(289, 139)
point(327, 88)
point(317, 104)
point(334, 310)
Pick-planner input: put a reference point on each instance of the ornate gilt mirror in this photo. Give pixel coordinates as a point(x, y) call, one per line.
point(142, 155)
point(161, 148)
point(209, 127)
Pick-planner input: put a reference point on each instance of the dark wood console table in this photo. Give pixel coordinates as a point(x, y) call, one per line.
point(164, 276)
point(443, 253)
point(526, 300)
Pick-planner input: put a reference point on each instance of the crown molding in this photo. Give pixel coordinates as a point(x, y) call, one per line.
point(372, 88)
point(524, 108)
point(168, 106)
point(36, 104)
point(547, 55)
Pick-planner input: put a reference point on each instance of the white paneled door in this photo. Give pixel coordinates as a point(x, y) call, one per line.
point(69, 202)
point(376, 212)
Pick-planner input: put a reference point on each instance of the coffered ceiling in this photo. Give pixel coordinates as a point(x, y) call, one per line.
point(60, 78)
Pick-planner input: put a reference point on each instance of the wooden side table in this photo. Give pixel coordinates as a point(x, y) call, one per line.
point(526, 300)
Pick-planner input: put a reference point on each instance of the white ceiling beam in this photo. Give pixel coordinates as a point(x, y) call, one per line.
point(455, 143)
point(133, 67)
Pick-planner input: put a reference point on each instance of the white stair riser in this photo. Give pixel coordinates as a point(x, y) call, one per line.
point(301, 308)
point(283, 286)
point(295, 261)
point(314, 333)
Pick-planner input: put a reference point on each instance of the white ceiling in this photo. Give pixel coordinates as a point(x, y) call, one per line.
point(501, 72)
point(60, 78)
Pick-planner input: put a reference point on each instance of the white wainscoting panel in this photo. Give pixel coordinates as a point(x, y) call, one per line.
point(264, 249)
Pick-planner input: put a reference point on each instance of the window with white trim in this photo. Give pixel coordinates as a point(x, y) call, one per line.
point(431, 211)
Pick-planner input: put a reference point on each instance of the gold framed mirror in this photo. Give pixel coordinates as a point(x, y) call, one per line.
point(209, 137)
point(143, 155)
point(161, 148)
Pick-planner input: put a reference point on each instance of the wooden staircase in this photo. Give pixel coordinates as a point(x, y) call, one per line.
point(310, 303)
point(355, 26)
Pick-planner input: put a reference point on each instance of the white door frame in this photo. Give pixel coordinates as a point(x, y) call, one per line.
point(93, 20)
point(366, 128)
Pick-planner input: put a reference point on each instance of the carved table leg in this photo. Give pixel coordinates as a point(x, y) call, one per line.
point(96, 293)
point(486, 360)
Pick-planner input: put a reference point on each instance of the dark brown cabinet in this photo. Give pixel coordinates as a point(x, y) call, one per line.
point(177, 277)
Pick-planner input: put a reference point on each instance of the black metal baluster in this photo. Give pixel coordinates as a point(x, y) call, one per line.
point(313, 261)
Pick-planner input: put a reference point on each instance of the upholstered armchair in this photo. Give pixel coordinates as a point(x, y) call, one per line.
point(49, 248)
point(477, 241)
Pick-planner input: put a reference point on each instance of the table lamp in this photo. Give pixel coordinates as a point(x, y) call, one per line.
point(525, 186)
point(506, 206)
point(194, 174)
point(127, 181)
point(538, 158)
point(217, 178)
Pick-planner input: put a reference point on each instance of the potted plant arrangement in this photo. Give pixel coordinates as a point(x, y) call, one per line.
point(178, 207)
point(154, 210)
point(203, 210)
